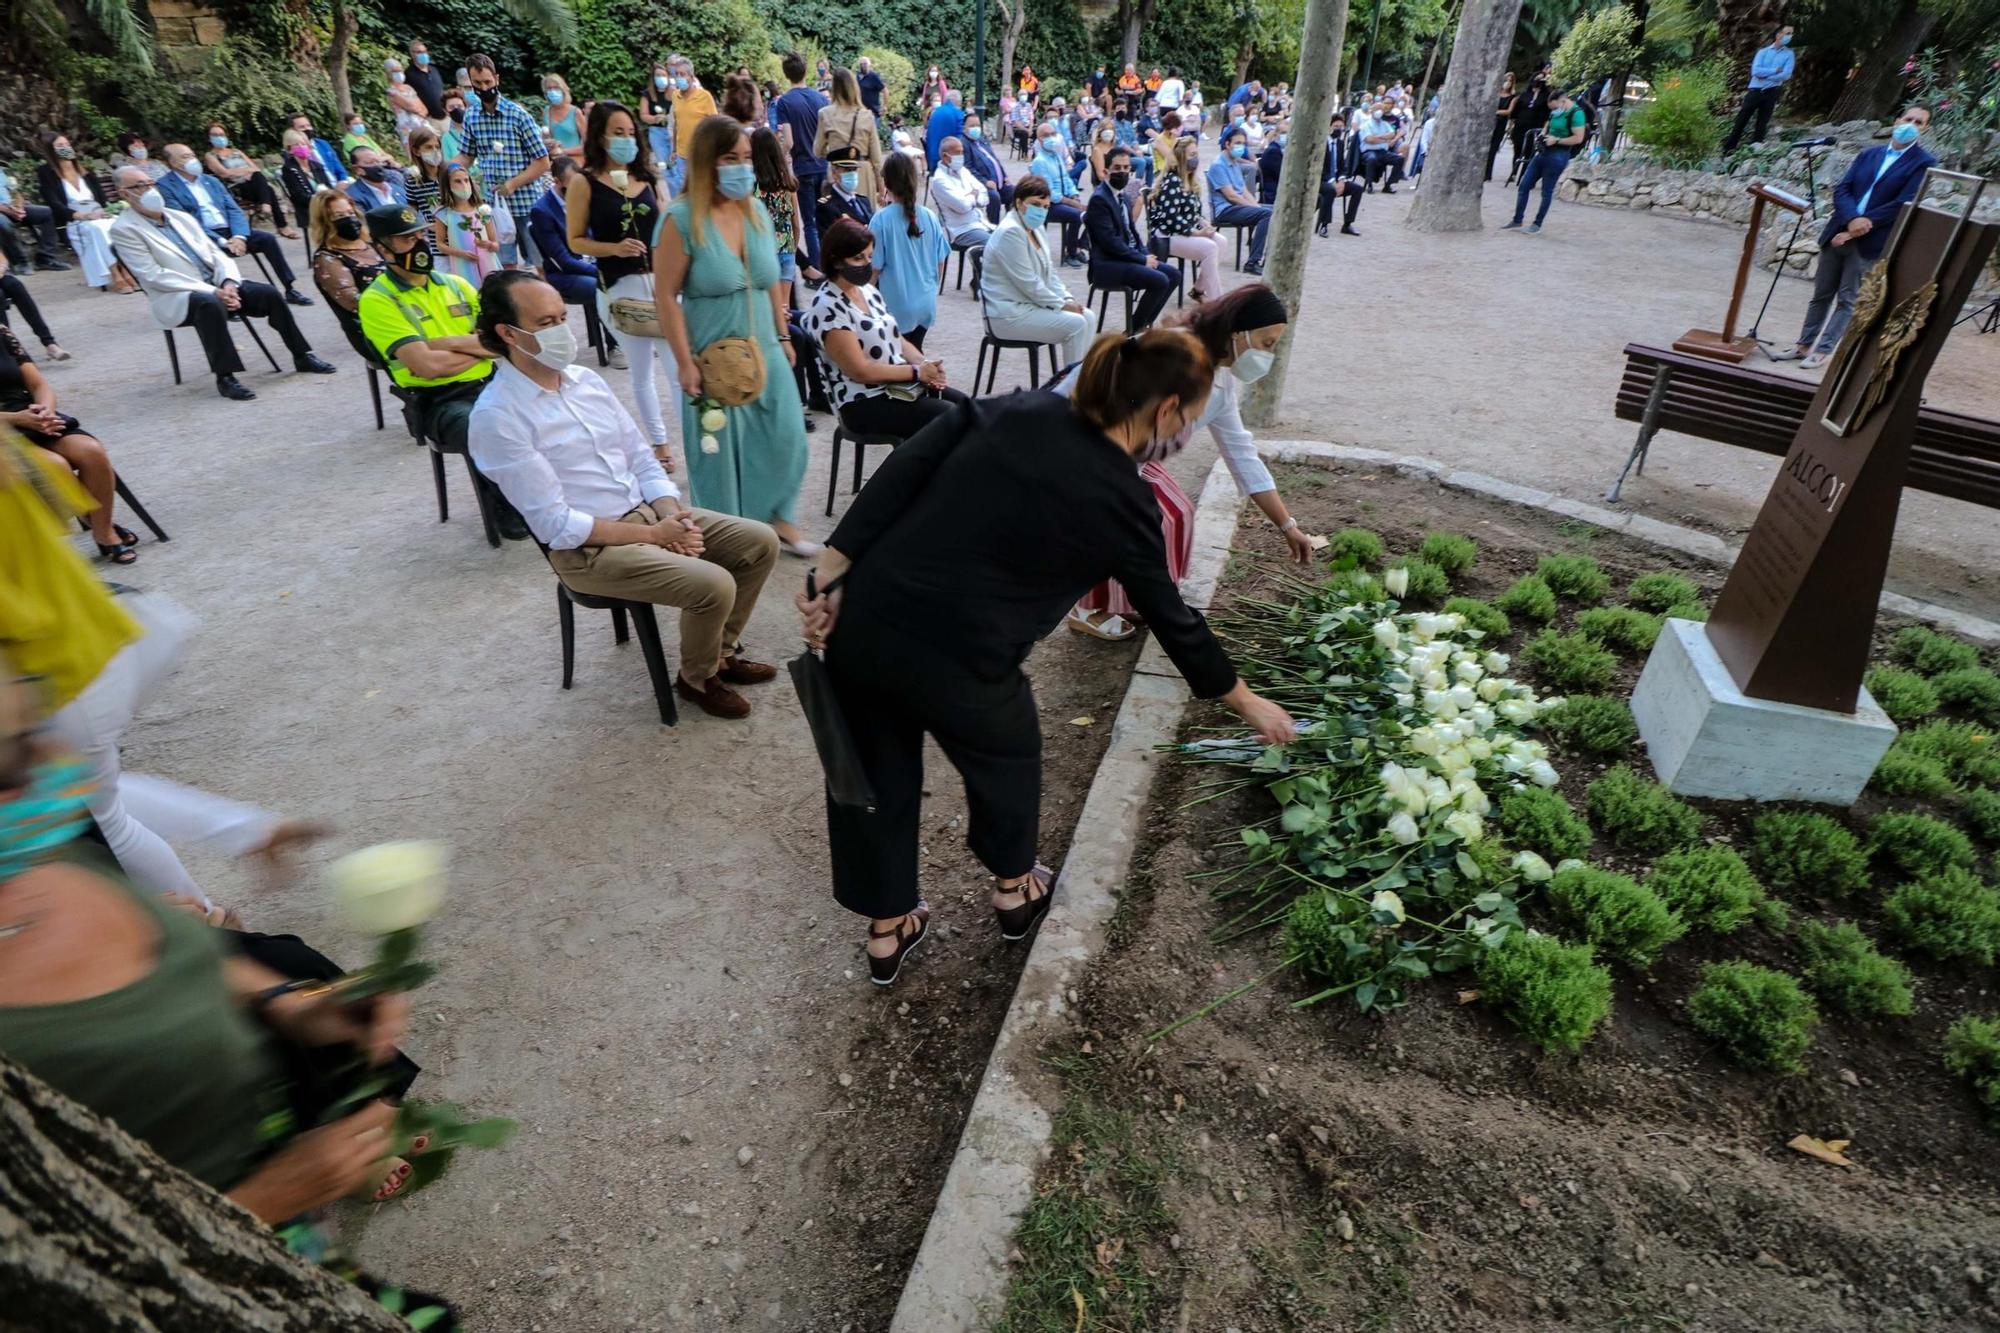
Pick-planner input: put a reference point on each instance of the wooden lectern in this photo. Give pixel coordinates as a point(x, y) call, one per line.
point(1726, 346)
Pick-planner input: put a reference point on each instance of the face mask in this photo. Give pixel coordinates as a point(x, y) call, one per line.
point(431, 157)
point(1052, 144)
point(47, 814)
point(462, 191)
point(973, 132)
point(949, 163)
point(1282, 138)
point(417, 261)
point(554, 348)
point(1252, 364)
point(555, 96)
point(1164, 444)
point(1239, 150)
point(457, 115)
point(849, 180)
point(152, 201)
point(857, 275)
point(1118, 180)
point(423, 59)
point(191, 168)
point(347, 228)
point(736, 180)
point(378, 174)
point(1784, 39)
point(661, 81)
point(358, 128)
point(395, 76)
point(300, 151)
point(622, 148)
point(65, 152)
point(1035, 215)
point(219, 140)
point(680, 82)
point(488, 96)
point(139, 153)
point(1903, 135)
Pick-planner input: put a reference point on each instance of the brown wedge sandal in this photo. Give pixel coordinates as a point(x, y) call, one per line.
point(1018, 922)
point(884, 971)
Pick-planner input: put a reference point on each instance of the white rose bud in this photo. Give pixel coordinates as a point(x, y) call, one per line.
point(1465, 824)
point(1386, 633)
point(1403, 828)
point(1542, 774)
point(1533, 868)
point(1397, 581)
point(395, 886)
point(710, 445)
point(1387, 902)
point(713, 420)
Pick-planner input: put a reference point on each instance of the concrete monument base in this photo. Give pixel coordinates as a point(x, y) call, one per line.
point(1707, 738)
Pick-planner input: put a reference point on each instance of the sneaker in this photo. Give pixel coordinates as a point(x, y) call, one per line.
point(618, 361)
point(714, 698)
point(54, 352)
point(1789, 354)
point(1813, 362)
point(1255, 270)
point(1349, 231)
point(1510, 226)
point(1532, 228)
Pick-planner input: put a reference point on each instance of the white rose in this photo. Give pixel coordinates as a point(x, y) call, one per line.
point(1405, 700)
point(1492, 688)
point(1515, 711)
point(1386, 634)
point(710, 445)
point(1403, 828)
point(1468, 673)
point(1497, 663)
point(391, 887)
point(1479, 748)
point(713, 420)
point(1465, 824)
point(1462, 697)
point(1397, 581)
point(1542, 774)
point(1387, 902)
point(1437, 793)
point(1424, 740)
point(1474, 798)
point(1533, 868)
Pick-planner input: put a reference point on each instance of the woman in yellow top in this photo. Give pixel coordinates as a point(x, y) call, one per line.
point(100, 659)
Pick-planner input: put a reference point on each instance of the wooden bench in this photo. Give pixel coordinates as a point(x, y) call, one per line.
point(1955, 455)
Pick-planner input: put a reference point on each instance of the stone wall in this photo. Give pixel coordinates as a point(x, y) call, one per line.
point(184, 23)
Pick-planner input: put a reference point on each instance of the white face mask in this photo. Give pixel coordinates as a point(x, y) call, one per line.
point(554, 347)
point(1252, 364)
point(152, 201)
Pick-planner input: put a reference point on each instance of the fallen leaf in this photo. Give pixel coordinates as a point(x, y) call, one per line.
point(1820, 1148)
point(286, 593)
point(1086, 1048)
point(371, 694)
point(1179, 1101)
point(1082, 721)
point(1839, 1145)
point(1077, 1296)
point(1317, 543)
point(1467, 996)
point(1108, 1252)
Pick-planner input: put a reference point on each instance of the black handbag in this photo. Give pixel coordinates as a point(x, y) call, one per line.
point(846, 781)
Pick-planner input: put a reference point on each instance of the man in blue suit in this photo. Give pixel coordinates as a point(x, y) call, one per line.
point(189, 189)
point(1865, 204)
point(984, 163)
point(376, 183)
point(570, 273)
point(1118, 262)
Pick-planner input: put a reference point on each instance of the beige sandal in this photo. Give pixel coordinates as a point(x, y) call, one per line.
point(1112, 629)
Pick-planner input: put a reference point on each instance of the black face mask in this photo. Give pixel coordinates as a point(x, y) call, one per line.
point(458, 115)
point(1118, 180)
point(488, 96)
point(378, 173)
point(347, 228)
point(417, 261)
point(856, 274)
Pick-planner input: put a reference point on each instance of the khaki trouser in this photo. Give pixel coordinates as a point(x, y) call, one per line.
point(715, 591)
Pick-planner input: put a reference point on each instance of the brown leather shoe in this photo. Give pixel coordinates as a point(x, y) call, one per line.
point(714, 698)
point(740, 670)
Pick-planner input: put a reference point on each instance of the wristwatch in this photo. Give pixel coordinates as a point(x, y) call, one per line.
point(263, 999)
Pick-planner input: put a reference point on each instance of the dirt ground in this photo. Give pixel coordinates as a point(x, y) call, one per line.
point(1320, 1170)
point(641, 945)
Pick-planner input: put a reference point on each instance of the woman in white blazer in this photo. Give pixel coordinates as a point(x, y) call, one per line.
point(1022, 295)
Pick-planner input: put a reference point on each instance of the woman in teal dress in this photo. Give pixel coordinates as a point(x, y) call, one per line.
point(713, 240)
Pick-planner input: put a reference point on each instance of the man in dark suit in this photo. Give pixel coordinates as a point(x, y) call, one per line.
point(189, 189)
point(984, 163)
point(1865, 204)
point(1117, 259)
point(1340, 178)
point(1270, 166)
point(841, 200)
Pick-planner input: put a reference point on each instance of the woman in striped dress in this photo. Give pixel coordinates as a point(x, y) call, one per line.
point(1238, 331)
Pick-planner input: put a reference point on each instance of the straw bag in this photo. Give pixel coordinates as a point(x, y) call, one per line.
point(732, 369)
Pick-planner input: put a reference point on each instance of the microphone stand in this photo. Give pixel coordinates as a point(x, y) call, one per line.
point(1764, 345)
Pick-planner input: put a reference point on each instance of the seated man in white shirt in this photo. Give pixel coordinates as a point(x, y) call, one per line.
point(962, 200)
point(566, 453)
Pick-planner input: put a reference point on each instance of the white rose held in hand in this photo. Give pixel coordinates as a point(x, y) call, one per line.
point(394, 886)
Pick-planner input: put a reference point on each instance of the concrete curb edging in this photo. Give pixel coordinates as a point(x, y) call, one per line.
point(960, 1273)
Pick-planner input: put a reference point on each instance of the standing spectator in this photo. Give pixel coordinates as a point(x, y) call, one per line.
point(983, 163)
point(245, 180)
point(462, 234)
point(613, 209)
point(1172, 90)
point(744, 103)
point(934, 87)
point(1865, 203)
point(1118, 260)
point(301, 174)
point(452, 137)
point(796, 116)
point(409, 110)
point(188, 189)
point(1531, 112)
point(17, 213)
point(565, 119)
point(425, 81)
point(344, 262)
point(963, 199)
point(715, 274)
point(507, 146)
point(692, 104)
point(1173, 213)
point(424, 184)
point(76, 203)
point(1242, 97)
point(1022, 296)
point(1770, 69)
point(1052, 165)
point(1503, 115)
point(1340, 178)
point(870, 85)
point(1230, 202)
point(1097, 83)
point(1270, 167)
point(910, 250)
point(847, 123)
point(947, 122)
point(778, 191)
point(656, 112)
point(874, 364)
point(1564, 133)
point(331, 160)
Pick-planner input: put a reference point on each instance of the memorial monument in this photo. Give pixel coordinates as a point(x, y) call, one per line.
point(1766, 702)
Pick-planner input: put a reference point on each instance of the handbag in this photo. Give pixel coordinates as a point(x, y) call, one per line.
point(634, 317)
point(732, 369)
point(846, 780)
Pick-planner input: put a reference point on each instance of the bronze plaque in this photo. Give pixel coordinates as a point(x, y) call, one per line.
point(1795, 618)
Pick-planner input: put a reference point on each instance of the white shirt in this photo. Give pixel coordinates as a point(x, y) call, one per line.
point(961, 200)
point(565, 457)
point(1170, 94)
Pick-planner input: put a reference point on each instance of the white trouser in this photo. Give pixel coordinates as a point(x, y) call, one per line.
point(640, 356)
point(91, 239)
point(139, 815)
point(1064, 328)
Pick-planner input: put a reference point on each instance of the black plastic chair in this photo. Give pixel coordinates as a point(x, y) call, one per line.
point(977, 249)
point(124, 493)
point(237, 317)
point(998, 345)
point(412, 421)
point(861, 440)
point(1104, 303)
point(643, 620)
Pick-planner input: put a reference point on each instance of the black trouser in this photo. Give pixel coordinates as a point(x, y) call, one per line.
point(264, 245)
point(1493, 147)
point(1154, 285)
point(1760, 102)
point(1003, 198)
point(1376, 161)
point(915, 337)
point(444, 414)
point(35, 218)
point(1350, 190)
point(895, 687)
point(256, 192)
point(882, 414)
point(260, 300)
point(1071, 218)
point(1522, 135)
point(14, 291)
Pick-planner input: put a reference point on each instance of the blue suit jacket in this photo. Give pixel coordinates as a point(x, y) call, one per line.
point(1270, 165)
point(365, 198)
point(179, 192)
point(329, 157)
point(1896, 188)
point(548, 227)
point(945, 122)
point(983, 163)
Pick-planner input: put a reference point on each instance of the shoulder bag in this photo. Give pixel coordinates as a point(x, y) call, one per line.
point(732, 369)
point(635, 317)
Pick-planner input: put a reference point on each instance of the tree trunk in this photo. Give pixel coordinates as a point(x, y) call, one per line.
point(1244, 55)
point(1455, 169)
point(1298, 186)
point(1614, 104)
point(1746, 25)
point(1872, 92)
point(344, 28)
point(1424, 87)
point(1015, 13)
point(100, 1234)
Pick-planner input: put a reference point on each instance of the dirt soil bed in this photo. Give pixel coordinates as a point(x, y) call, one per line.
point(1268, 1169)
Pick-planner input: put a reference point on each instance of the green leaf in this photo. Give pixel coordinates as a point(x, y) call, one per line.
point(425, 1317)
point(1488, 902)
point(490, 1132)
point(390, 1299)
point(1255, 837)
point(398, 948)
point(1469, 867)
point(1296, 818)
point(1364, 996)
point(1283, 790)
point(1495, 936)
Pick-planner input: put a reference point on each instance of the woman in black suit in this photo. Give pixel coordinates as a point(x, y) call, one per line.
point(973, 540)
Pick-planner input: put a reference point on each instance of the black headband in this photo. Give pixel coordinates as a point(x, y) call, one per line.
point(1260, 309)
